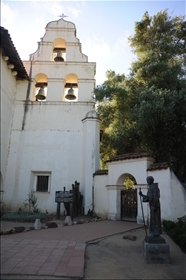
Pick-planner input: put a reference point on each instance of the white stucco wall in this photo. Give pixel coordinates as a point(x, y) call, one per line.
point(107, 192)
point(8, 91)
point(75, 64)
point(172, 194)
point(51, 141)
point(101, 196)
point(134, 167)
point(56, 72)
point(22, 88)
point(60, 29)
point(55, 135)
point(57, 29)
point(178, 195)
point(162, 177)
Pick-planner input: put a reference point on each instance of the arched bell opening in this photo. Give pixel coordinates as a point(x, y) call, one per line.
point(40, 92)
point(59, 50)
point(71, 88)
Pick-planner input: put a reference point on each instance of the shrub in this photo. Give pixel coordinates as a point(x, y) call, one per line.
point(181, 239)
point(31, 202)
point(177, 231)
point(24, 216)
point(168, 225)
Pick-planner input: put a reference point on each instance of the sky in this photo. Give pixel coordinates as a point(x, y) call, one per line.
point(103, 27)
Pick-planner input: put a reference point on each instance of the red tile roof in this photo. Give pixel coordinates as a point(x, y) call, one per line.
point(101, 172)
point(127, 156)
point(9, 50)
point(158, 166)
point(153, 167)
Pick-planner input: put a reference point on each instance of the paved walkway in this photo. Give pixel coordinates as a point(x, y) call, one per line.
point(57, 251)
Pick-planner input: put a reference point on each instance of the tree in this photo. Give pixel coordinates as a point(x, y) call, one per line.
point(159, 44)
point(161, 127)
point(146, 110)
point(159, 75)
point(113, 109)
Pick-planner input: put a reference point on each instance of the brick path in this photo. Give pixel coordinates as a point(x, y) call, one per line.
point(56, 251)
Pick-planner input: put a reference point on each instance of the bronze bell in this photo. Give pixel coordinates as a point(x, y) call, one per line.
point(70, 95)
point(59, 57)
point(41, 94)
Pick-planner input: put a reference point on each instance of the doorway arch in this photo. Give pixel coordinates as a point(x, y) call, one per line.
point(128, 197)
point(126, 179)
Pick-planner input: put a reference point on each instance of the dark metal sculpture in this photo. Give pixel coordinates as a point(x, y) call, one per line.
point(77, 201)
point(152, 197)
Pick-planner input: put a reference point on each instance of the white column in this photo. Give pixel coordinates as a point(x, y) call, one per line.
point(90, 156)
point(114, 201)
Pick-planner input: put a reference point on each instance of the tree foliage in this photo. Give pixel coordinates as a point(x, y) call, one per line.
point(159, 44)
point(146, 111)
point(162, 127)
point(113, 107)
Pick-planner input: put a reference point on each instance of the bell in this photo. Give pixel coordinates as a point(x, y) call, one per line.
point(41, 94)
point(70, 95)
point(59, 57)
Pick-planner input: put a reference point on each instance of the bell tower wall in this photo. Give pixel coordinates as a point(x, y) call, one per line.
point(53, 134)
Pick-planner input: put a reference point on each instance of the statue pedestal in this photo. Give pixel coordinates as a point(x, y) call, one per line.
point(155, 250)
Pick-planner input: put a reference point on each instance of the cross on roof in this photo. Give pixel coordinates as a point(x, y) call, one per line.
point(62, 16)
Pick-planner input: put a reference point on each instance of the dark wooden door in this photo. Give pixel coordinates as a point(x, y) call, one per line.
point(129, 205)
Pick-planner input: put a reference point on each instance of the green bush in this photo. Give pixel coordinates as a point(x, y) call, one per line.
point(181, 241)
point(177, 231)
point(31, 202)
point(24, 216)
point(168, 225)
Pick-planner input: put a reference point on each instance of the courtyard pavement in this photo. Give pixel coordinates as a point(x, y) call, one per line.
point(55, 252)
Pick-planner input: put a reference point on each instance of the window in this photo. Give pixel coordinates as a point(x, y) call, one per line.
point(42, 183)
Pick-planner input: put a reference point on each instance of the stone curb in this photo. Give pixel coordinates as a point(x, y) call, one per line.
point(19, 229)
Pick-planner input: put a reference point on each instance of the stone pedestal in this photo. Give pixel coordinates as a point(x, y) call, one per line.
point(155, 252)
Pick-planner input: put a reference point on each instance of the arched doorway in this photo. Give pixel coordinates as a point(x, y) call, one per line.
point(128, 197)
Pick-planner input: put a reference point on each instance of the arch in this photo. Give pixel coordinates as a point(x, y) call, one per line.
point(59, 45)
point(71, 78)
point(70, 81)
point(127, 198)
point(41, 81)
point(126, 179)
point(40, 78)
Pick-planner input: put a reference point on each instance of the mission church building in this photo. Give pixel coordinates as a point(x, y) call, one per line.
point(50, 136)
point(49, 125)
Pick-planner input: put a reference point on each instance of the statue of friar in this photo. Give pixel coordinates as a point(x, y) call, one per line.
point(153, 196)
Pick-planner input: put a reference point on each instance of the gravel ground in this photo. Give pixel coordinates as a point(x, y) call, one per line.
point(118, 258)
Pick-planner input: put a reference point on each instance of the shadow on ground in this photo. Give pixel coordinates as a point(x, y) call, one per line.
point(118, 258)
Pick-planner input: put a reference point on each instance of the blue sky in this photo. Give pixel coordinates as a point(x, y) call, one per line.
point(103, 27)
